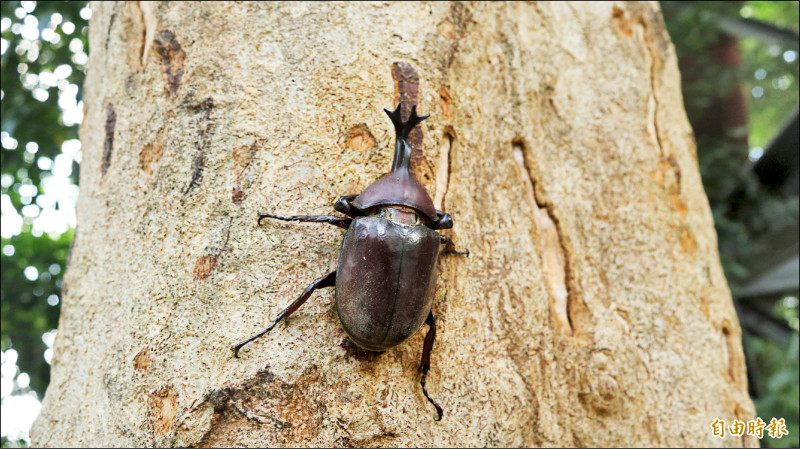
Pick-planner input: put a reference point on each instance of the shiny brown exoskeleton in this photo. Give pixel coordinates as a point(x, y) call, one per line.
point(386, 275)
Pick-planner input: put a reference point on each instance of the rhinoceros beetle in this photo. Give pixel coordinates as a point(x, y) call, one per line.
point(385, 278)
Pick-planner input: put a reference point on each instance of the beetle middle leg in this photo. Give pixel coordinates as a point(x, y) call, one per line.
point(450, 247)
point(426, 359)
point(329, 280)
point(342, 222)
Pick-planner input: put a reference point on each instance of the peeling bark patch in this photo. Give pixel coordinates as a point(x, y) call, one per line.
point(678, 204)
point(621, 23)
point(446, 103)
point(237, 195)
point(704, 307)
point(555, 260)
point(204, 265)
point(108, 143)
point(730, 350)
point(447, 29)
point(163, 410)
point(671, 173)
point(360, 138)
point(688, 243)
point(172, 58)
point(151, 154)
point(406, 83)
point(675, 189)
point(668, 175)
point(142, 360)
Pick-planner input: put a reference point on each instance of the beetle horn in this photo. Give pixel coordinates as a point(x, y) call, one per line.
point(402, 129)
point(405, 156)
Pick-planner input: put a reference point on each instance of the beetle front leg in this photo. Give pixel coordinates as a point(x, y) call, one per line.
point(345, 206)
point(328, 280)
point(341, 222)
point(443, 221)
point(450, 247)
point(426, 359)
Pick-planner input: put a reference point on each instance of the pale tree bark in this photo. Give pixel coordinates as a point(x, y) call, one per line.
point(592, 311)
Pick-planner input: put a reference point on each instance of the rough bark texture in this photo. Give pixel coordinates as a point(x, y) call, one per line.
point(593, 310)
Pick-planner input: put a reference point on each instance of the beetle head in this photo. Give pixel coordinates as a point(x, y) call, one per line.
point(399, 187)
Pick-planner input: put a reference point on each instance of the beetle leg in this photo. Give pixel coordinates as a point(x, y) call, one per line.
point(450, 247)
point(328, 280)
point(443, 221)
point(344, 206)
point(341, 222)
point(426, 359)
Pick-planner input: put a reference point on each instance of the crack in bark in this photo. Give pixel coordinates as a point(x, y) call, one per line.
point(655, 63)
point(172, 58)
point(554, 253)
point(150, 22)
point(730, 349)
point(247, 157)
point(444, 169)
point(203, 141)
point(108, 144)
point(111, 21)
point(653, 59)
point(197, 172)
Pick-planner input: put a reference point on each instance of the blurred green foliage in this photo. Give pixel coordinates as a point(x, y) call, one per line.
point(30, 111)
point(26, 315)
point(780, 389)
point(25, 118)
point(43, 64)
point(711, 76)
point(766, 68)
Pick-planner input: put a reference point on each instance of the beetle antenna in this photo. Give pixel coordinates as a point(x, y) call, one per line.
point(402, 129)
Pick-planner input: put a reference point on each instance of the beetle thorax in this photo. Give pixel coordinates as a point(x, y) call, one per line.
point(399, 214)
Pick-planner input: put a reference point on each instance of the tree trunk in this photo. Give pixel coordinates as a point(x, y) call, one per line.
point(592, 312)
